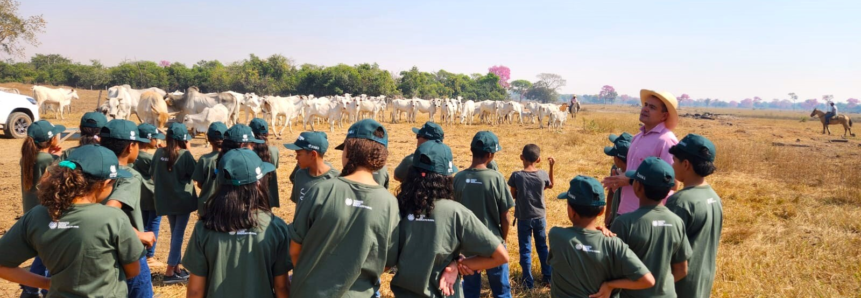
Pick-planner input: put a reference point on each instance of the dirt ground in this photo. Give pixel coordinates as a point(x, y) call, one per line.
point(791, 212)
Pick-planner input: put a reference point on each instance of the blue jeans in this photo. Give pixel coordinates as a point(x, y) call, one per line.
point(496, 277)
point(177, 231)
point(828, 117)
point(525, 230)
point(141, 285)
point(152, 222)
point(39, 269)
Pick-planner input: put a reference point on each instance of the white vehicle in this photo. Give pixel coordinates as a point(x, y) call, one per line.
point(16, 113)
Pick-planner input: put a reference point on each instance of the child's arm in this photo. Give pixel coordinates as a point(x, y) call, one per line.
point(147, 238)
point(499, 257)
point(196, 286)
point(282, 286)
point(506, 225)
point(132, 269)
point(680, 270)
point(22, 276)
point(448, 278)
point(552, 162)
point(295, 250)
point(645, 282)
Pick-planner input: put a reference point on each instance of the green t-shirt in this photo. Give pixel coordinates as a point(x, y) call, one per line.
point(127, 191)
point(382, 177)
point(274, 197)
point(29, 198)
point(404, 168)
point(701, 210)
point(583, 259)
point(657, 236)
point(302, 180)
point(204, 173)
point(142, 165)
point(84, 250)
point(428, 244)
point(241, 263)
point(486, 194)
point(66, 153)
point(349, 234)
point(493, 166)
point(174, 190)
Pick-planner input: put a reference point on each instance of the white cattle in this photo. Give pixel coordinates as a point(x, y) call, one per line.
point(557, 119)
point(366, 107)
point(402, 106)
point(449, 111)
point(280, 106)
point(251, 105)
point(193, 102)
point(60, 98)
point(510, 108)
point(322, 108)
point(426, 106)
point(467, 111)
point(152, 109)
point(130, 98)
point(487, 109)
point(199, 122)
point(234, 105)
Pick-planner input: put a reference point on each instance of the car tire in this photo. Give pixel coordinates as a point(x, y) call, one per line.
point(16, 126)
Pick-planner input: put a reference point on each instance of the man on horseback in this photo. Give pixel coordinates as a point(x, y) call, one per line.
point(832, 112)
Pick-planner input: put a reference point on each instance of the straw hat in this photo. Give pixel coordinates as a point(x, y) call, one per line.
point(669, 101)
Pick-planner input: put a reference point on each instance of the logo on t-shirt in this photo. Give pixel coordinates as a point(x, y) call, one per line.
point(660, 223)
point(242, 232)
point(62, 225)
point(356, 203)
point(473, 181)
point(585, 248)
point(412, 217)
point(711, 201)
point(302, 194)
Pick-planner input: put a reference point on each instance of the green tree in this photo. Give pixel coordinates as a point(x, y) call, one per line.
point(520, 87)
point(15, 30)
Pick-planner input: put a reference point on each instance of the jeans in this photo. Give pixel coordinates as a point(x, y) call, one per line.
point(151, 224)
point(141, 285)
point(525, 230)
point(177, 231)
point(496, 277)
point(39, 269)
point(828, 117)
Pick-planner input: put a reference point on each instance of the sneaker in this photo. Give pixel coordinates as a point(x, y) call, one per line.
point(183, 273)
point(173, 279)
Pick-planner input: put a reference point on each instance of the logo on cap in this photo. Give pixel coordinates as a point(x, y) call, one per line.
point(149, 135)
point(259, 172)
point(641, 176)
point(450, 167)
point(113, 171)
point(300, 138)
point(132, 135)
point(313, 147)
point(50, 134)
point(245, 137)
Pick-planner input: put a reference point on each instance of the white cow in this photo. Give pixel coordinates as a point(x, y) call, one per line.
point(510, 108)
point(60, 98)
point(557, 119)
point(251, 105)
point(426, 106)
point(152, 109)
point(322, 108)
point(199, 122)
point(130, 98)
point(402, 106)
point(281, 106)
point(488, 110)
point(193, 102)
point(449, 111)
point(467, 111)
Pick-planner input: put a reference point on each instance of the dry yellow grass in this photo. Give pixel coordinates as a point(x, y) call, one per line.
point(791, 226)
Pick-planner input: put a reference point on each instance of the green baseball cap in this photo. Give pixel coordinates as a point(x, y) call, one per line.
point(619, 149)
point(436, 157)
point(241, 133)
point(121, 129)
point(216, 130)
point(179, 131)
point(693, 144)
point(150, 132)
point(259, 126)
point(624, 135)
point(243, 166)
point(654, 172)
point(485, 141)
point(43, 131)
point(584, 191)
point(430, 131)
point(96, 161)
point(311, 141)
point(94, 120)
point(364, 129)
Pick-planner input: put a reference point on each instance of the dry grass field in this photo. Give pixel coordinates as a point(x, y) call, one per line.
point(791, 225)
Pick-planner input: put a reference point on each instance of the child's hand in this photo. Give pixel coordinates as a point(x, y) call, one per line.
point(603, 292)
point(447, 279)
point(464, 269)
point(55, 150)
point(606, 231)
point(147, 238)
point(551, 161)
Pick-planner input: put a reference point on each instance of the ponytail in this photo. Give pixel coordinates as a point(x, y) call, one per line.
point(29, 151)
point(89, 135)
point(61, 185)
point(262, 149)
point(172, 150)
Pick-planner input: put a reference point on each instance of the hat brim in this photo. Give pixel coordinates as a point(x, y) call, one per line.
point(142, 140)
point(257, 141)
point(669, 101)
point(612, 138)
point(340, 147)
point(293, 146)
point(563, 195)
point(159, 136)
point(123, 173)
point(609, 151)
point(58, 129)
point(631, 174)
point(267, 168)
point(416, 130)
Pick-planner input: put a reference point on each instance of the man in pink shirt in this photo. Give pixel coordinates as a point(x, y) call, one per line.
point(659, 118)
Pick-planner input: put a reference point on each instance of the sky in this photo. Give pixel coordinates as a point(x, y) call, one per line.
point(728, 49)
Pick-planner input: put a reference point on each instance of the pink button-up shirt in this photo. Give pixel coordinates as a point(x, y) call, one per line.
point(655, 142)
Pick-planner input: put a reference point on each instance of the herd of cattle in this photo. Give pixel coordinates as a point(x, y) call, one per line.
point(197, 110)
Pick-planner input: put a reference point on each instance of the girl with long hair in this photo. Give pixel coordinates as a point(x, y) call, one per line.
point(237, 247)
point(346, 223)
point(267, 153)
point(143, 165)
point(91, 125)
point(435, 231)
point(90, 248)
point(39, 151)
point(175, 196)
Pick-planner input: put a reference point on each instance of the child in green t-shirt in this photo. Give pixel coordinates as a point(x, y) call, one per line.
point(701, 210)
point(268, 153)
point(89, 129)
point(586, 263)
point(237, 248)
point(204, 172)
point(310, 148)
point(143, 164)
point(619, 152)
point(89, 248)
point(345, 231)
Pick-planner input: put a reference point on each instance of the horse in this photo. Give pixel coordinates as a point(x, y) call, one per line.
point(840, 119)
point(571, 109)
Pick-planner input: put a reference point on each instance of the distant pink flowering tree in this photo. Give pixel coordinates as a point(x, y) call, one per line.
point(810, 103)
point(164, 63)
point(746, 103)
point(733, 104)
point(685, 99)
point(852, 103)
point(503, 73)
point(608, 93)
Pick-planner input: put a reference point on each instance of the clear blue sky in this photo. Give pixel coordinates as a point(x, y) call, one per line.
point(718, 49)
